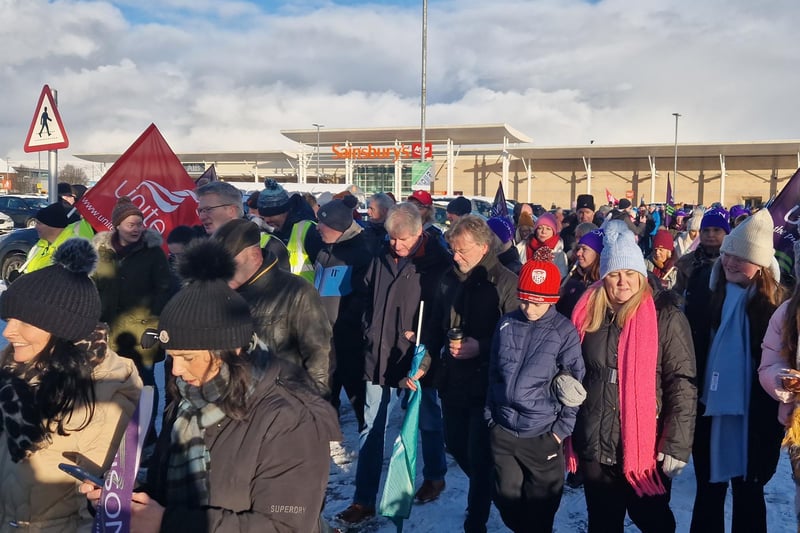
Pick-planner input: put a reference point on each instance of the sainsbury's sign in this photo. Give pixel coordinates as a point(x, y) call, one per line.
point(403, 151)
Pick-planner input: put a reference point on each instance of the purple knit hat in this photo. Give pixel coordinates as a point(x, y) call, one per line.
point(502, 228)
point(716, 218)
point(738, 210)
point(594, 240)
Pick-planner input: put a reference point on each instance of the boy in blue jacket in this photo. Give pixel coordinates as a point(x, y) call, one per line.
point(535, 362)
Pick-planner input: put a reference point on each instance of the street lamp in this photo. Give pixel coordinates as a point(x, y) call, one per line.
point(318, 126)
point(675, 169)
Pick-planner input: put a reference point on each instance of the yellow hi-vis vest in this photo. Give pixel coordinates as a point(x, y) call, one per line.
point(41, 255)
point(299, 261)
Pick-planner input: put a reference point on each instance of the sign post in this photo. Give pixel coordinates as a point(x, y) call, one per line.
point(47, 133)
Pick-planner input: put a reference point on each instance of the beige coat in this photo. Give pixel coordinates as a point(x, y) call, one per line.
point(35, 496)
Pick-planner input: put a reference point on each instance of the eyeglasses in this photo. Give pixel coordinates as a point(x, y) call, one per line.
point(206, 210)
point(463, 253)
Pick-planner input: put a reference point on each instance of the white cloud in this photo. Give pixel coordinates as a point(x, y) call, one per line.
point(230, 75)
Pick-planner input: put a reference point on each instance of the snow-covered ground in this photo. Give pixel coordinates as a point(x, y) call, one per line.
point(447, 513)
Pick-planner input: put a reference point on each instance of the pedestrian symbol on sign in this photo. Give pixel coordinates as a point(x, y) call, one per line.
point(44, 121)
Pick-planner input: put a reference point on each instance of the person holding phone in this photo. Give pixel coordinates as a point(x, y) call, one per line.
point(64, 396)
point(245, 444)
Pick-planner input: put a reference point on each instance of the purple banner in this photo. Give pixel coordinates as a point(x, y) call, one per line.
point(114, 509)
point(785, 211)
point(499, 206)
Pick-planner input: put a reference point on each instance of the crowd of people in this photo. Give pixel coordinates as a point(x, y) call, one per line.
point(612, 343)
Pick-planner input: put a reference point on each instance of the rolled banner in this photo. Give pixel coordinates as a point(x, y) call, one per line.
point(114, 510)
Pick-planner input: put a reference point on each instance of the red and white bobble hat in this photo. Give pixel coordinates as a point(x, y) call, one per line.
point(539, 282)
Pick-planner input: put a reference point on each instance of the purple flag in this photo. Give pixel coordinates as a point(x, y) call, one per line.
point(114, 509)
point(785, 211)
point(669, 204)
point(209, 175)
point(499, 206)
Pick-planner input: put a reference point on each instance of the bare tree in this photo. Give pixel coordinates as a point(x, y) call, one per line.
point(74, 175)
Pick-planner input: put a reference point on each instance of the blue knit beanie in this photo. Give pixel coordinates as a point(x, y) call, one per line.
point(593, 239)
point(501, 227)
point(273, 200)
point(620, 251)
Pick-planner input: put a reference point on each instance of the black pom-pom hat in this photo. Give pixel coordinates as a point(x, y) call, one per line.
point(60, 299)
point(205, 314)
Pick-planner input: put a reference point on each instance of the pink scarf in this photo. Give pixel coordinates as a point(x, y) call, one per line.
point(637, 357)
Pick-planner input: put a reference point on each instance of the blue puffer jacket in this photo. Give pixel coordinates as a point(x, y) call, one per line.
point(525, 358)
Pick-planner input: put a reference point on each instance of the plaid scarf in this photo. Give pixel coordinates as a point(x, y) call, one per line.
point(189, 458)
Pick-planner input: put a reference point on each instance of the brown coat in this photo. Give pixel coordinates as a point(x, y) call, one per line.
point(37, 496)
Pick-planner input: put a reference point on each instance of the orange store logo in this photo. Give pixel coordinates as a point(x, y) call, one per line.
point(404, 151)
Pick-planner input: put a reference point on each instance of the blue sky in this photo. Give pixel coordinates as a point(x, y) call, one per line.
point(230, 75)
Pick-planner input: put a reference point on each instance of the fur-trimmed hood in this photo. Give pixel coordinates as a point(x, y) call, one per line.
point(151, 239)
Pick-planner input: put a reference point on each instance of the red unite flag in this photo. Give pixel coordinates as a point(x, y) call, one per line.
point(152, 176)
point(610, 198)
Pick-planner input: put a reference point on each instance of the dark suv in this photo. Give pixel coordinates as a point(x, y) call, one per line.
point(22, 209)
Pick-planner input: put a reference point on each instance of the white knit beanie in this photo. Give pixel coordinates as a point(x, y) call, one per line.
point(752, 239)
point(620, 251)
point(695, 220)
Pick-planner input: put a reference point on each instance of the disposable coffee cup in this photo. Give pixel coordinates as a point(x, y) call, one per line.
point(455, 335)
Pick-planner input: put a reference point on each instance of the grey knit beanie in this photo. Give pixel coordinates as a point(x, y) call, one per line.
point(620, 251)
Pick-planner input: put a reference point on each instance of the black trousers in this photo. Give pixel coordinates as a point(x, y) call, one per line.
point(708, 514)
point(528, 480)
point(466, 436)
point(609, 496)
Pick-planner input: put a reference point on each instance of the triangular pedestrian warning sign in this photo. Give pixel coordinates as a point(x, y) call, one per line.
point(46, 131)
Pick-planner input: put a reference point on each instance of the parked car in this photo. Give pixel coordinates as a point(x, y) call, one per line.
point(6, 223)
point(22, 208)
point(14, 248)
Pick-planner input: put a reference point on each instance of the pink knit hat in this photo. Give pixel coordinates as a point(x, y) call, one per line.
point(547, 219)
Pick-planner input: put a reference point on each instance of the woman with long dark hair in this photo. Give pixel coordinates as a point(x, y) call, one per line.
point(245, 444)
point(64, 396)
point(738, 437)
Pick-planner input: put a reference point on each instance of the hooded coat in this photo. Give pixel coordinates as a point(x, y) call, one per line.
point(133, 288)
point(267, 472)
point(35, 495)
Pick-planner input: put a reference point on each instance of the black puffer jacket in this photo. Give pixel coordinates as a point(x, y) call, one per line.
point(268, 472)
point(395, 290)
point(475, 302)
point(290, 320)
point(597, 431)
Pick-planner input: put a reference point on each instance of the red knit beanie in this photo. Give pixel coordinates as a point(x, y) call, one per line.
point(663, 239)
point(539, 282)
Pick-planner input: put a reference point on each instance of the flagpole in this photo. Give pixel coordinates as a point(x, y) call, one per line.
point(423, 90)
point(675, 169)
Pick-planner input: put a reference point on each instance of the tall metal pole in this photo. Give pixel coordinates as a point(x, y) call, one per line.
point(52, 166)
point(318, 126)
point(675, 169)
point(424, 76)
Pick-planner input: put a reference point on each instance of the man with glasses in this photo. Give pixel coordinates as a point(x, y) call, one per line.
point(471, 298)
point(219, 202)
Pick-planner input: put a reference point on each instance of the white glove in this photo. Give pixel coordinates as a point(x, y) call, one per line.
point(670, 466)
